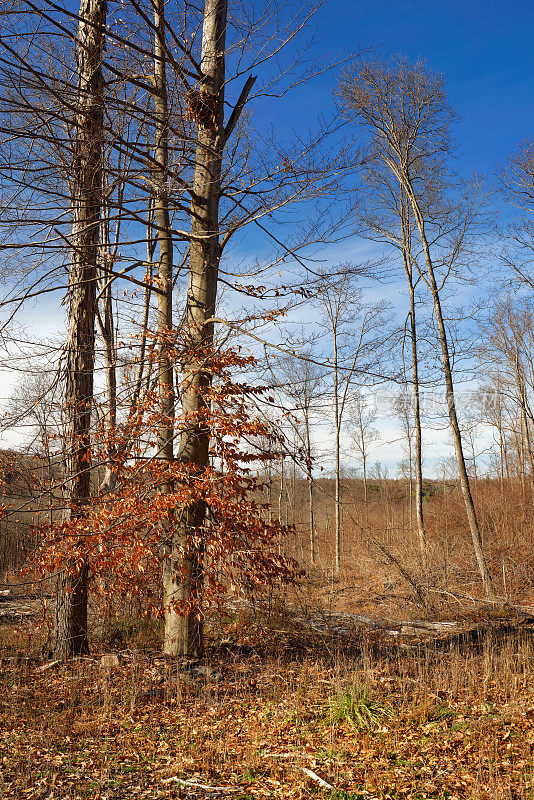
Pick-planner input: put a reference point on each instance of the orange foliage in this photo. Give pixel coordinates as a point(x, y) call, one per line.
point(120, 535)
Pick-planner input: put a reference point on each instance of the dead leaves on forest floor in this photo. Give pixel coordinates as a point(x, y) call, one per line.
point(375, 725)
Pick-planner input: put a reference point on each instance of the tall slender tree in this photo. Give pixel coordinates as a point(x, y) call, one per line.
point(86, 200)
point(301, 381)
point(387, 217)
point(356, 334)
point(183, 575)
point(405, 112)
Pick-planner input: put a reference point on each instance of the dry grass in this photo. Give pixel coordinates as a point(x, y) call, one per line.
point(371, 583)
point(430, 722)
point(372, 716)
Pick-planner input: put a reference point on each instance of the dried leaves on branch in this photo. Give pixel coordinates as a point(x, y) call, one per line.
point(120, 534)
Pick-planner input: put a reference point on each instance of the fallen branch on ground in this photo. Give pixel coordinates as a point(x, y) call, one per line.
point(317, 779)
point(194, 785)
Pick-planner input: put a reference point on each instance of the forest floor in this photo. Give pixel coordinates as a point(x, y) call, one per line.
point(271, 710)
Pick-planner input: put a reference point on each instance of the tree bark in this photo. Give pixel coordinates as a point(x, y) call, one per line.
point(311, 487)
point(406, 229)
point(281, 488)
point(165, 373)
point(86, 192)
point(421, 533)
point(183, 634)
point(311, 518)
point(476, 536)
point(106, 325)
point(337, 472)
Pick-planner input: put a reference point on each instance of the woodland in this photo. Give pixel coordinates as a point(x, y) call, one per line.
point(209, 585)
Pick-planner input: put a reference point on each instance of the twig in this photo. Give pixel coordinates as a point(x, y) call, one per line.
point(195, 785)
point(317, 779)
point(483, 600)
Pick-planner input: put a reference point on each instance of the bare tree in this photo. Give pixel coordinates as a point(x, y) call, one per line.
point(355, 335)
point(517, 181)
point(362, 420)
point(386, 216)
point(507, 351)
point(71, 607)
point(405, 112)
point(301, 381)
point(231, 188)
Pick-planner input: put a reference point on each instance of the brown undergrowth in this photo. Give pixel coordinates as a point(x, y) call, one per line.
point(374, 718)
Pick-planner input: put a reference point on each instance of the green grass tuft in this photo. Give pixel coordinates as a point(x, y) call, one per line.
point(358, 706)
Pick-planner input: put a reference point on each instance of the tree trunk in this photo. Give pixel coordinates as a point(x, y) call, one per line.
point(311, 499)
point(165, 375)
point(144, 365)
point(365, 495)
point(406, 218)
point(311, 518)
point(526, 437)
point(183, 634)
point(421, 533)
point(106, 325)
point(337, 476)
point(453, 418)
point(529, 449)
point(86, 191)
point(269, 492)
point(281, 488)
point(363, 450)
point(338, 499)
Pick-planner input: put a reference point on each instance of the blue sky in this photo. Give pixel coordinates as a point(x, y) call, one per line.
point(484, 49)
